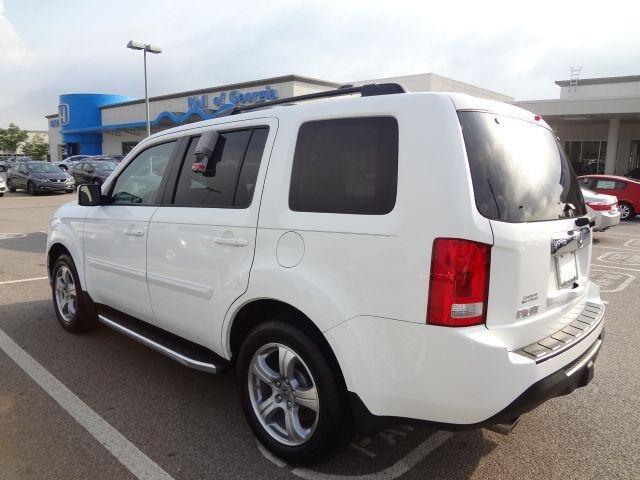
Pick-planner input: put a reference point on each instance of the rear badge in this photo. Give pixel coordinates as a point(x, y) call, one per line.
point(529, 298)
point(527, 311)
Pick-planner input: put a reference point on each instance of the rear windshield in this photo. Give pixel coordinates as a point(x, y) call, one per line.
point(519, 172)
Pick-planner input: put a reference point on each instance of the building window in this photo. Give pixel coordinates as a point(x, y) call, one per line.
point(587, 157)
point(127, 147)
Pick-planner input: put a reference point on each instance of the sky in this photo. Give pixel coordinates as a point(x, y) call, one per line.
point(51, 47)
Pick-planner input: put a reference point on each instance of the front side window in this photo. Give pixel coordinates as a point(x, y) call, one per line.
point(347, 165)
point(228, 178)
point(138, 184)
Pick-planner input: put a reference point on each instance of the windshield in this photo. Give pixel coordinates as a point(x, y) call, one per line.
point(43, 168)
point(518, 170)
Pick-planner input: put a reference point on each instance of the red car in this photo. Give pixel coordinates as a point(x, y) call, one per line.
point(626, 189)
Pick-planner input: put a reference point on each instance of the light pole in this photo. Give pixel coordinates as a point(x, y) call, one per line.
point(151, 49)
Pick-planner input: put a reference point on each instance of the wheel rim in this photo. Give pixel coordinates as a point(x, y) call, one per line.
point(65, 289)
point(624, 211)
point(283, 394)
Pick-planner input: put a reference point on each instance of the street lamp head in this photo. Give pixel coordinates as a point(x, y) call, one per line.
point(136, 45)
point(153, 49)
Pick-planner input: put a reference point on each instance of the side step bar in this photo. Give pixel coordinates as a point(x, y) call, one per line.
point(182, 351)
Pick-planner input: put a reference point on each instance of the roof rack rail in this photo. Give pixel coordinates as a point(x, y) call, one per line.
point(368, 90)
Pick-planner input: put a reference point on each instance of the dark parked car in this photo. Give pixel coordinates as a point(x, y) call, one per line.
point(635, 174)
point(92, 171)
point(111, 158)
point(37, 177)
point(11, 161)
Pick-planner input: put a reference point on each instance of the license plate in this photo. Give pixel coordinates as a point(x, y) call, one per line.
point(566, 269)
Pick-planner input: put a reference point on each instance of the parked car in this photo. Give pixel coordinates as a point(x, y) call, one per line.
point(37, 177)
point(11, 161)
point(603, 208)
point(625, 189)
point(3, 187)
point(111, 158)
point(635, 174)
point(92, 171)
point(69, 162)
point(359, 260)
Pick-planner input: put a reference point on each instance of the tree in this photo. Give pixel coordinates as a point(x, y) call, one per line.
point(11, 138)
point(36, 148)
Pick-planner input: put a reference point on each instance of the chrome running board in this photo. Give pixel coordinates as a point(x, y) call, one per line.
point(182, 351)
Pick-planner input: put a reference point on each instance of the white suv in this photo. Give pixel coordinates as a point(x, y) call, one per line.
point(358, 259)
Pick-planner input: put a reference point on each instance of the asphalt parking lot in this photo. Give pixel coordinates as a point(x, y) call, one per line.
point(75, 406)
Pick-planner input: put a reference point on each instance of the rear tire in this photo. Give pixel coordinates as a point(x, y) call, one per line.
point(307, 416)
point(626, 211)
point(74, 310)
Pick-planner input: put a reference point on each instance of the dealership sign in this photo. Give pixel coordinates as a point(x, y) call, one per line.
point(63, 114)
point(234, 96)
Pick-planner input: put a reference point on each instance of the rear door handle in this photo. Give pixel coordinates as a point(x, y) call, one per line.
point(232, 241)
point(136, 232)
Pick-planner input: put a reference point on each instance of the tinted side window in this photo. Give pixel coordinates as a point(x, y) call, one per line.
point(250, 167)
point(346, 165)
point(620, 185)
point(138, 184)
point(77, 168)
point(214, 183)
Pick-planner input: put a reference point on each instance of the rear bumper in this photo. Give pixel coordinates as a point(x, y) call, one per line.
point(458, 377)
point(605, 220)
point(576, 375)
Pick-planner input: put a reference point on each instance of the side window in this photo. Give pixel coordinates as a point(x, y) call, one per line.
point(228, 178)
point(77, 168)
point(87, 167)
point(250, 167)
point(138, 184)
point(587, 182)
point(605, 184)
point(346, 165)
point(620, 185)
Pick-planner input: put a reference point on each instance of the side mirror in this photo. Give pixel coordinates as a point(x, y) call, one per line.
point(89, 195)
point(204, 153)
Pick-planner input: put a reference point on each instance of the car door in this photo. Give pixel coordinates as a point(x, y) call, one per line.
point(23, 176)
point(115, 234)
point(202, 238)
point(76, 173)
point(88, 169)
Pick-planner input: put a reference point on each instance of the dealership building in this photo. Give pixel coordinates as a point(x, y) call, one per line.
point(596, 119)
point(96, 123)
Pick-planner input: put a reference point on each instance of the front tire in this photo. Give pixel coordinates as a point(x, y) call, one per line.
point(11, 186)
point(31, 188)
point(626, 211)
point(293, 400)
point(73, 309)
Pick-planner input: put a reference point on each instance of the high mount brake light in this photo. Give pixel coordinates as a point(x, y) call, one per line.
point(459, 283)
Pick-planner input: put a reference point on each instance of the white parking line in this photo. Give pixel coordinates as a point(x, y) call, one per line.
point(619, 268)
point(126, 452)
point(399, 468)
point(9, 282)
point(624, 234)
point(617, 248)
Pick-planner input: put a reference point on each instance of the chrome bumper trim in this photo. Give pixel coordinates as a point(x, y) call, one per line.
point(585, 323)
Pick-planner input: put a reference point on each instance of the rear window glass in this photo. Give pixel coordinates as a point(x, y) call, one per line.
point(519, 172)
point(347, 165)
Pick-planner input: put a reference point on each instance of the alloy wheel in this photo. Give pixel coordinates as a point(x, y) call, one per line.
point(65, 291)
point(625, 211)
point(283, 394)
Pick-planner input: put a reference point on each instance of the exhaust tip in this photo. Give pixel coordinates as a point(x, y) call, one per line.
point(505, 427)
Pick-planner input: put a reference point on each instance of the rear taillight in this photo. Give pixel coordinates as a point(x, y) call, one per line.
point(459, 282)
point(600, 206)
